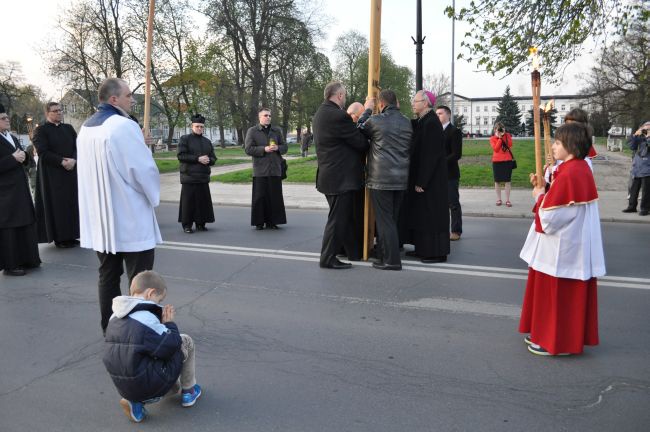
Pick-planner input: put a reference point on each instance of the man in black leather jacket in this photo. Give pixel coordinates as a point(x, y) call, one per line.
point(388, 168)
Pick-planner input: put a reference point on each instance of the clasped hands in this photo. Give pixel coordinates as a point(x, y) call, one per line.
point(68, 163)
point(19, 155)
point(205, 159)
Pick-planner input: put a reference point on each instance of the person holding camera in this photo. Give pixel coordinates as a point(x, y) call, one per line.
point(640, 171)
point(502, 161)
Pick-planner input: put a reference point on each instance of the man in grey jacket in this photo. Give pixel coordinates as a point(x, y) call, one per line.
point(388, 168)
point(265, 144)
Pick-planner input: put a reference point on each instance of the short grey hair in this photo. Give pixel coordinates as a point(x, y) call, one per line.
point(332, 88)
point(110, 87)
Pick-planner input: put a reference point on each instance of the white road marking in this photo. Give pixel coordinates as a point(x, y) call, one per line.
point(446, 268)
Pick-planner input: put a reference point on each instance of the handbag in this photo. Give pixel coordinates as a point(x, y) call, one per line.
point(283, 168)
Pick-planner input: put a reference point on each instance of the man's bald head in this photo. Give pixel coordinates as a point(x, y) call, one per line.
point(355, 110)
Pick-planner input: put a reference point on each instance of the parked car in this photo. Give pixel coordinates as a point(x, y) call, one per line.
point(227, 143)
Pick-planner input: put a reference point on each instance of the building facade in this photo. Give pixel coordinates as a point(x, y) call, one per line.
point(481, 113)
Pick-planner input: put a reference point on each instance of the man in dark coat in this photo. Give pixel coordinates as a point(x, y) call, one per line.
point(18, 240)
point(56, 199)
point(388, 169)
point(196, 156)
point(454, 149)
point(266, 144)
point(339, 149)
point(425, 213)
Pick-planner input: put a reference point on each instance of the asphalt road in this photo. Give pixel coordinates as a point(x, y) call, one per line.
point(283, 345)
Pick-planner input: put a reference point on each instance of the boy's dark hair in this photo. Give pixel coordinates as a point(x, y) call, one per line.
point(575, 138)
point(577, 115)
point(388, 97)
point(148, 279)
point(444, 107)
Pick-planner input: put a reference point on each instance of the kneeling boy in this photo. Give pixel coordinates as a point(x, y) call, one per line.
point(145, 354)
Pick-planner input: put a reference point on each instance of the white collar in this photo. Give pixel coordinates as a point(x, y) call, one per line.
point(9, 138)
point(444, 126)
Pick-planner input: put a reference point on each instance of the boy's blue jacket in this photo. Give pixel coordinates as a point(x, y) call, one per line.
point(142, 356)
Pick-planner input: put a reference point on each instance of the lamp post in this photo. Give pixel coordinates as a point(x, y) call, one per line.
point(418, 41)
point(453, 64)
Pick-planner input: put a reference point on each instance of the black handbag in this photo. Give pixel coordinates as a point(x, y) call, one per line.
point(283, 169)
point(514, 161)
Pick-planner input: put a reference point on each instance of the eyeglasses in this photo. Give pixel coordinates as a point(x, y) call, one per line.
point(56, 110)
point(418, 100)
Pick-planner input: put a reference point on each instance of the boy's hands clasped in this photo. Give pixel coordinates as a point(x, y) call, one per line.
point(168, 313)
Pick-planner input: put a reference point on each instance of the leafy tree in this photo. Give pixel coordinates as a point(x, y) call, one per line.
point(508, 113)
point(460, 121)
point(619, 84)
point(600, 122)
point(501, 31)
point(350, 47)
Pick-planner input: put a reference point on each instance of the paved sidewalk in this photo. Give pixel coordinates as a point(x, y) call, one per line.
point(611, 171)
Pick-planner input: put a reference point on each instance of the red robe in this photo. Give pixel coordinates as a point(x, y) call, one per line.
point(561, 314)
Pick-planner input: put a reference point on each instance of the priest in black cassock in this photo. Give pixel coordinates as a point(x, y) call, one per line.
point(266, 144)
point(424, 220)
point(56, 196)
point(18, 240)
point(196, 156)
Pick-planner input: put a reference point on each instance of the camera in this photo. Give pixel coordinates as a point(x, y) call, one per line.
point(501, 130)
point(644, 132)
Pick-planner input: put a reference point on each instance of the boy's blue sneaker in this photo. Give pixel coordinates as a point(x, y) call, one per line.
point(135, 411)
point(189, 397)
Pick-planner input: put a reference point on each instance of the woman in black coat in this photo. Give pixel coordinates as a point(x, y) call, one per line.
point(18, 240)
point(196, 154)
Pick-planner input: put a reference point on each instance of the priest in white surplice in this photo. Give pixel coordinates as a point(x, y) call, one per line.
point(119, 187)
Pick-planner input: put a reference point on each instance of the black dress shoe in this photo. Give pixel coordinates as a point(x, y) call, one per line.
point(259, 227)
point(65, 244)
point(629, 210)
point(201, 228)
point(411, 254)
point(272, 226)
point(188, 230)
point(335, 264)
point(643, 213)
point(15, 272)
point(437, 259)
point(384, 266)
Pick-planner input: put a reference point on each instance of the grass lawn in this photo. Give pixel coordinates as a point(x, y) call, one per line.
point(475, 166)
point(298, 171)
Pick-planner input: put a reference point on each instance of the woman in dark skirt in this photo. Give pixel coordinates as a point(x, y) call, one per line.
point(196, 154)
point(265, 144)
point(18, 239)
point(501, 143)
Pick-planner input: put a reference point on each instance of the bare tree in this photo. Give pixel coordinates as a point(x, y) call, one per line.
point(350, 47)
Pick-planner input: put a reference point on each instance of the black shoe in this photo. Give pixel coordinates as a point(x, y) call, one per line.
point(411, 254)
point(65, 244)
point(643, 213)
point(272, 226)
point(259, 227)
point(437, 259)
point(383, 266)
point(15, 272)
point(630, 210)
point(188, 230)
point(335, 264)
point(201, 228)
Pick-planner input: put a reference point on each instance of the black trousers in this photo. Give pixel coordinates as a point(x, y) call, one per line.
point(454, 206)
point(387, 204)
point(110, 271)
point(338, 229)
point(637, 184)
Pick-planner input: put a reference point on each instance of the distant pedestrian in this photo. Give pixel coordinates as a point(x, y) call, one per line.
point(57, 205)
point(564, 253)
point(18, 239)
point(501, 143)
point(640, 145)
point(454, 149)
point(146, 355)
point(266, 144)
point(196, 156)
point(119, 188)
point(305, 142)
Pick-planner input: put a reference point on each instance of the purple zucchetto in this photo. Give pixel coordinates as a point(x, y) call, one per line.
point(430, 96)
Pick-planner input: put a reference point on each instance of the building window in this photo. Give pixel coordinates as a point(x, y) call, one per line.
point(464, 109)
point(478, 108)
point(485, 132)
point(485, 120)
point(478, 121)
point(570, 107)
point(73, 108)
point(563, 107)
point(494, 108)
point(485, 108)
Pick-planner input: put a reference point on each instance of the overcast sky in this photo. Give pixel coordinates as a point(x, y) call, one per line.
point(28, 25)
